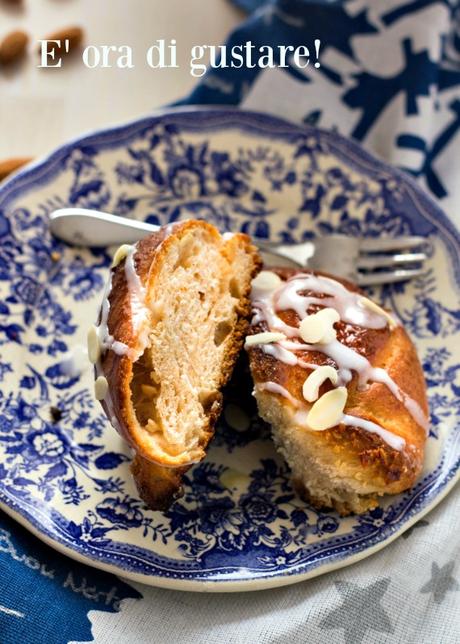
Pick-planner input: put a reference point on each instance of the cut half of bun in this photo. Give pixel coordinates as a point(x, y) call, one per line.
point(353, 364)
point(169, 333)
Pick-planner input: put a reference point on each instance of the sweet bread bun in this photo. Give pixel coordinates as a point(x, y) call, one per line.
point(343, 389)
point(172, 323)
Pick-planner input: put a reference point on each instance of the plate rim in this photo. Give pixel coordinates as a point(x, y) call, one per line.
point(265, 122)
point(232, 586)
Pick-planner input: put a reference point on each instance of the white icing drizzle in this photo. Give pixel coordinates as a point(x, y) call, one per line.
point(345, 302)
point(137, 297)
point(348, 361)
point(106, 340)
point(275, 388)
point(288, 296)
point(139, 310)
point(264, 312)
point(139, 317)
point(280, 353)
point(412, 406)
point(135, 287)
point(416, 411)
point(396, 442)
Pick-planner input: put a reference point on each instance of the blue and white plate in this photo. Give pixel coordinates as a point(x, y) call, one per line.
point(64, 472)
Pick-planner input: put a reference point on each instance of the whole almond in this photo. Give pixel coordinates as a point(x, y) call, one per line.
point(73, 34)
point(13, 47)
point(10, 165)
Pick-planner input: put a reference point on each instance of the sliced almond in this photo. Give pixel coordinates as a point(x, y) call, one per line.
point(266, 281)
point(94, 345)
point(328, 410)
point(265, 337)
point(314, 381)
point(375, 308)
point(318, 328)
point(120, 254)
point(101, 387)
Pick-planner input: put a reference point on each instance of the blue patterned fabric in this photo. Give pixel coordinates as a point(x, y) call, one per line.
point(44, 596)
point(390, 78)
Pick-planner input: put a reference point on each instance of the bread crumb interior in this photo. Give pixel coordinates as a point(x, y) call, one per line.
point(194, 304)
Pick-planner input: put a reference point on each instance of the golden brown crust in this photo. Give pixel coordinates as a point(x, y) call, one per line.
point(353, 449)
point(118, 369)
point(158, 484)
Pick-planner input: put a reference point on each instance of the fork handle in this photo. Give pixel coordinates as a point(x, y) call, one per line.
point(84, 227)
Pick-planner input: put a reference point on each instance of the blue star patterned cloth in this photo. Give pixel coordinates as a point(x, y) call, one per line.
point(389, 77)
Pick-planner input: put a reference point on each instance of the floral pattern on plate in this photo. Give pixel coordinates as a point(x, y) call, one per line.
point(65, 472)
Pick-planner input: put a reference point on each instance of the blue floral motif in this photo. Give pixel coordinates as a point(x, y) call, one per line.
point(89, 531)
point(46, 445)
point(5, 367)
point(428, 316)
point(122, 512)
point(443, 379)
point(89, 188)
point(326, 524)
point(33, 443)
point(258, 508)
point(376, 519)
point(257, 520)
point(60, 459)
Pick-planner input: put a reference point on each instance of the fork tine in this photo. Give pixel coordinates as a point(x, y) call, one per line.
point(384, 261)
point(371, 245)
point(388, 277)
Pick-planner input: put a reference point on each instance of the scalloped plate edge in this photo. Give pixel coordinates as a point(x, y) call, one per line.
point(224, 585)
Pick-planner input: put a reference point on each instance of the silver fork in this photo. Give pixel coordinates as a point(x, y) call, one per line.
point(365, 261)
